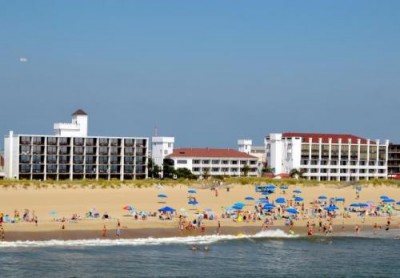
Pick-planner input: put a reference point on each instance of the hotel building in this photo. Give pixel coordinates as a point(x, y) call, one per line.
point(394, 161)
point(214, 162)
point(72, 154)
point(336, 157)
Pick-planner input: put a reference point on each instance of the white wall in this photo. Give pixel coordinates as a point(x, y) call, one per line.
point(161, 147)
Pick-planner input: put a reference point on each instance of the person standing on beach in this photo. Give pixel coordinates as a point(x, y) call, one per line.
point(118, 233)
point(2, 234)
point(218, 227)
point(104, 231)
point(357, 229)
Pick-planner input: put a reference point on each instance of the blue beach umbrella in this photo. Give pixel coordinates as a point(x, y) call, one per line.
point(266, 193)
point(238, 207)
point(53, 212)
point(262, 200)
point(193, 203)
point(331, 208)
point(268, 207)
point(270, 187)
point(298, 199)
point(384, 197)
point(162, 196)
point(166, 209)
point(339, 199)
point(239, 204)
point(192, 191)
point(249, 198)
point(322, 197)
point(297, 191)
point(388, 200)
point(280, 200)
point(292, 210)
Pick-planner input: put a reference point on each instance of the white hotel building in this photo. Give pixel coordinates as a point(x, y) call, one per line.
point(72, 154)
point(337, 157)
point(214, 162)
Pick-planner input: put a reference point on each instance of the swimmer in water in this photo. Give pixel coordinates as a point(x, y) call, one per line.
point(194, 248)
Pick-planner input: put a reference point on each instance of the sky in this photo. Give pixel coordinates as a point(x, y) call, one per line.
point(206, 72)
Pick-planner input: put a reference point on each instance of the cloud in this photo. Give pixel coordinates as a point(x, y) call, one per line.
point(23, 59)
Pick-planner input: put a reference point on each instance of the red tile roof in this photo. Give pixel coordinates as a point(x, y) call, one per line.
point(205, 153)
point(325, 137)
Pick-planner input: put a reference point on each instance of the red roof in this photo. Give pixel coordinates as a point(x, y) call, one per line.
point(205, 153)
point(325, 137)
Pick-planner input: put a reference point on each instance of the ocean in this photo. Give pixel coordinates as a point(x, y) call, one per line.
point(266, 254)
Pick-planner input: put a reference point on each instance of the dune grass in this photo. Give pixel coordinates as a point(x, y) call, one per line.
point(115, 184)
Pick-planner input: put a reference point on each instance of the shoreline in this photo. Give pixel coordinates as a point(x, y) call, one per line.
point(168, 232)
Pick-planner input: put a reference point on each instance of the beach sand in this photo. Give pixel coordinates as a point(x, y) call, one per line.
point(79, 201)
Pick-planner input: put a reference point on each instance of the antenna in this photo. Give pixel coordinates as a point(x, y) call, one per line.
point(155, 131)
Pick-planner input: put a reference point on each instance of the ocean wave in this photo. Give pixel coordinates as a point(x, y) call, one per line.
point(190, 240)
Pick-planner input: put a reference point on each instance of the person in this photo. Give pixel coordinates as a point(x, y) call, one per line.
point(118, 232)
point(62, 227)
point(2, 234)
point(310, 231)
point(203, 227)
point(118, 224)
point(357, 229)
point(218, 227)
point(216, 192)
point(104, 231)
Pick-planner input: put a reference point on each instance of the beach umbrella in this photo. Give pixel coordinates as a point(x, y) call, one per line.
point(166, 209)
point(384, 197)
point(266, 193)
point(322, 197)
point(292, 210)
point(239, 204)
point(297, 191)
point(192, 191)
point(237, 207)
point(331, 208)
point(298, 199)
point(283, 187)
point(128, 208)
point(249, 198)
point(270, 187)
point(262, 200)
point(280, 200)
point(193, 202)
point(268, 207)
point(53, 212)
point(339, 199)
point(388, 200)
point(162, 196)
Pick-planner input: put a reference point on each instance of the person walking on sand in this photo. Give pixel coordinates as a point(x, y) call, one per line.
point(357, 229)
point(118, 233)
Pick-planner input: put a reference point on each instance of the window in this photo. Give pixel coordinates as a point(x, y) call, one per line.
point(215, 162)
point(206, 161)
point(179, 161)
point(196, 161)
point(196, 169)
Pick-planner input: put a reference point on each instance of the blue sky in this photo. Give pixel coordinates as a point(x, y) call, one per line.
point(206, 72)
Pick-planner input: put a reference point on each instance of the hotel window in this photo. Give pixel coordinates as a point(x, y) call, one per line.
point(215, 169)
point(90, 160)
point(179, 161)
point(114, 160)
point(343, 171)
point(78, 150)
point(128, 160)
point(206, 161)
point(25, 150)
point(52, 159)
point(128, 142)
point(37, 140)
point(103, 159)
point(196, 169)
point(63, 159)
point(90, 150)
point(103, 150)
point(90, 169)
point(215, 162)
point(25, 168)
point(114, 150)
point(51, 141)
point(225, 162)
point(51, 150)
point(78, 141)
point(128, 151)
point(90, 142)
point(63, 141)
point(196, 161)
point(64, 150)
point(234, 162)
point(25, 158)
point(37, 149)
point(25, 140)
point(103, 142)
point(114, 142)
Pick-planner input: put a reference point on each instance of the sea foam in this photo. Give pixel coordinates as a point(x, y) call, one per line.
point(190, 240)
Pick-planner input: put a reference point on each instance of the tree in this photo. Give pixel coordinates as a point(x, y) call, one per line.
point(168, 169)
point(296, 173)
point(153, 169)
point(206, 173)
point(246, 170)
point(185, 173)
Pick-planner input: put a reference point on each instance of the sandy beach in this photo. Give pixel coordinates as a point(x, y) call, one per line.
point(51, 205)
